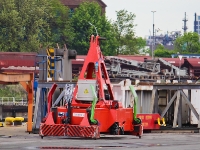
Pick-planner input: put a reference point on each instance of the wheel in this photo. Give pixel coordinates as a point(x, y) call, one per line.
point(139, 136)
point(118, 132)
point(122, 131)
point(42, 137)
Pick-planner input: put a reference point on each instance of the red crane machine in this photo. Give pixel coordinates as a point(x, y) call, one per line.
point(92, 109)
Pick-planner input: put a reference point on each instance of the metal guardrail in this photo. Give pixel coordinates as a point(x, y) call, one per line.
point(13, 101)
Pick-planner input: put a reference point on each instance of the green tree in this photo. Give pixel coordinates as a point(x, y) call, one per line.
point(34, 15)
point(140, 43)
point(86, 13)
point(10, 27)
point(162, 52)
point(60, 25)
point(125, 34)
point(188, 43)
point(24, 25)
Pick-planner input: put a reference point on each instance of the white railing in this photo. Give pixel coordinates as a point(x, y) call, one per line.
point(13, 101)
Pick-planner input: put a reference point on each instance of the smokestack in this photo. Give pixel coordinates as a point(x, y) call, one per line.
point(185, 23)
point(195, 22)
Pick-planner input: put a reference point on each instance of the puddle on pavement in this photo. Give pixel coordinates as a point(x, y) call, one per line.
point(60, 148)
point(144, 144)
point(127, 145)
point(110, 146)
point(85, 148)
point(5, 136)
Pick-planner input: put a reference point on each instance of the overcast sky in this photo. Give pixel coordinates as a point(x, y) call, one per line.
point(168, 16)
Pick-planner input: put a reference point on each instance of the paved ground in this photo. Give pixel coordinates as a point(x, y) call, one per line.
point(16, 138)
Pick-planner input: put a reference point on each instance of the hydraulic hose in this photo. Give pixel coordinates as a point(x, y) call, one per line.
point(93, 105)
point(135, 103)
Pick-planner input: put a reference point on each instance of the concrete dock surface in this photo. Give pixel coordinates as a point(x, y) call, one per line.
point(16, 138)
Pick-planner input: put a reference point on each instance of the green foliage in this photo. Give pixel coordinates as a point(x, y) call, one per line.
point(25, 25)
point(16, 91)
point(105, 29)
point(34, 15)
point(140, 43)
point(21, 23)
point(188, 43)
point(10, 28)
point(86, 13)
point(60, 25)
point(162, 52)
point(125, 35)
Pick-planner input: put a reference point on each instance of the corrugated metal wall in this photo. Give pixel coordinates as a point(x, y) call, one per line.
point(144, 101)
point(126, 98)
point(196, 103)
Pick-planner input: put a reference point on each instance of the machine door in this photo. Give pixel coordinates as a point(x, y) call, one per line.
point(84, 90)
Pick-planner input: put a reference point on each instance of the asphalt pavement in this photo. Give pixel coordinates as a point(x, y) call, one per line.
point(15, 138)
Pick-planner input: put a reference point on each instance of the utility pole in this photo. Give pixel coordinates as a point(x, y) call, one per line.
point(153, 43)
point(180, 57)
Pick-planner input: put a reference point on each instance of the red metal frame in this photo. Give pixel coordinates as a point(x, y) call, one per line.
point(109, 113)
point(95, 56)
point(50, 94)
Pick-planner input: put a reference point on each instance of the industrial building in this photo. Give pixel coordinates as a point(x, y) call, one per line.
point(197, 23)
point(73, 4)
point(166, 89)
point(147, 75)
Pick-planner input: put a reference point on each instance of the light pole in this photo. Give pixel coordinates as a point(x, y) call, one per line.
point(180, 57)
point(153, 35)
